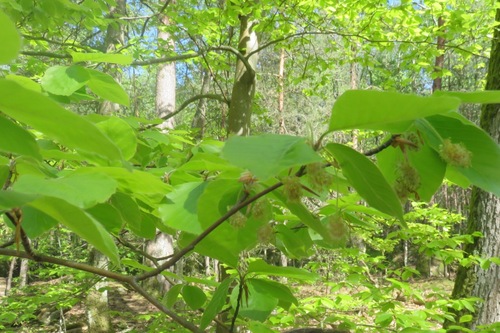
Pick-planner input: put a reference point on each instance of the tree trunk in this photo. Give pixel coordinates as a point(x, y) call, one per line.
point(162, 245)
point(165, 78)
point(23, 273)
point(484, 216)
point(8, 283)
point(199, 120)
point(97, 309)
point(115, 35)
point(240, 110)
point(437, 83)
point(281, 96)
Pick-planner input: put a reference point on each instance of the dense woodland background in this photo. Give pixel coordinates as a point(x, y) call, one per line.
point(176, 166)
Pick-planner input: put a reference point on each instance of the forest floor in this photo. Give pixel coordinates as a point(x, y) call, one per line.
point(131, 313)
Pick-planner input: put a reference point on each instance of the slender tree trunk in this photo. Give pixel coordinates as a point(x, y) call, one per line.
point(281, 96)
point(437, 83)
point(23, 273)
point(240, 110)
point(97, 309)
point(484, 216)
point(115, 36)
point(199, 120)
point(163, 245)
point(165, 78)
point(8, 283)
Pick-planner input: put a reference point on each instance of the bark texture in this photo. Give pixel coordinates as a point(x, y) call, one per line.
point(97, 309)
point(240, 110)
point(485, 217)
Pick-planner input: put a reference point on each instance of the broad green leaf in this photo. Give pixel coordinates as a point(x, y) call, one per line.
point(182, 212)
point(258, 327)
point(64, 80)
point(172, 295)
point(384, 319)
point(11, 199)
point(134, 264)
point(216, 303)
point(267, 155)
point(276, 290)
point(108, 216)
point(131, 213)
point(383, 110)
point(11, 42)
point(295, 243)
point(254, 304)
point(4, 174)
point(81, 190)
point(110, 58)
point(259, 266)
point(25, 82)
point(208, 162)
point(483, 171)
point(484, 97)
point(367, 179)
point(48, 117)
point(36, 222)
point(17, 140)
point(194, 296)
point(104, 86)
point(120, 132)
point(80, 223)
point(145, 186)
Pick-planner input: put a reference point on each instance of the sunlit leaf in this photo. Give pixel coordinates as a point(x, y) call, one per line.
point(11, 42)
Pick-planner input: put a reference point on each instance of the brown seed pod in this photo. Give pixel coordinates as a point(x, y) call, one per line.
point(337, 227)
point(407, 181)
point(238, 220)
point(265, 233)
point(292, 188)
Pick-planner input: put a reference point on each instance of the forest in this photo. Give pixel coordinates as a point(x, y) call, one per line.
point(251, 166)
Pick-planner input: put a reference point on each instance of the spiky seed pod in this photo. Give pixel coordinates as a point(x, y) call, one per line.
point(292, 188)
point(318, 177)
point(265, 234)
point(455, 154)
point(238, 220)
point(337, 227)
point(262, 210)
point(407, 181)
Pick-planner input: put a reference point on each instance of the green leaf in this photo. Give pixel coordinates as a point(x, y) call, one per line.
point(194, 296)
point(36, 222)
point(104, 86)
point(64, 80)
point(276, 290)
point(267, 155)
point(11, 42)
point(484, 97)
point(216, 303)
point(110, 58)
point(383, 110)
point(483, 171)
point(384, 319)
point(108, 216)
point(80, 223)
point(120, 132)
point(254, 304)
point(10, 199)
point(182, 213)
point(48, 117)
point(367, 179)
point(25, 82)
point(295, 243)
point(172, 295)
point(17, 140)
point(131, 213)
point(465, 318)
point(81, 190)
point(259, 266)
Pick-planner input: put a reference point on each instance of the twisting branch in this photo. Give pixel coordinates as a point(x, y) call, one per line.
point(194, 99)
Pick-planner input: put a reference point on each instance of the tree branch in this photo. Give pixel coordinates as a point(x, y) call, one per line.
point(383, 146)
point(194, 99)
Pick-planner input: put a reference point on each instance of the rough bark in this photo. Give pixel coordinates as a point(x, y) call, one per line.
point(160, 247)
point(8, 283)
point(484, 216)
point(23, 273)
point(437, 83)
point(240, 110)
